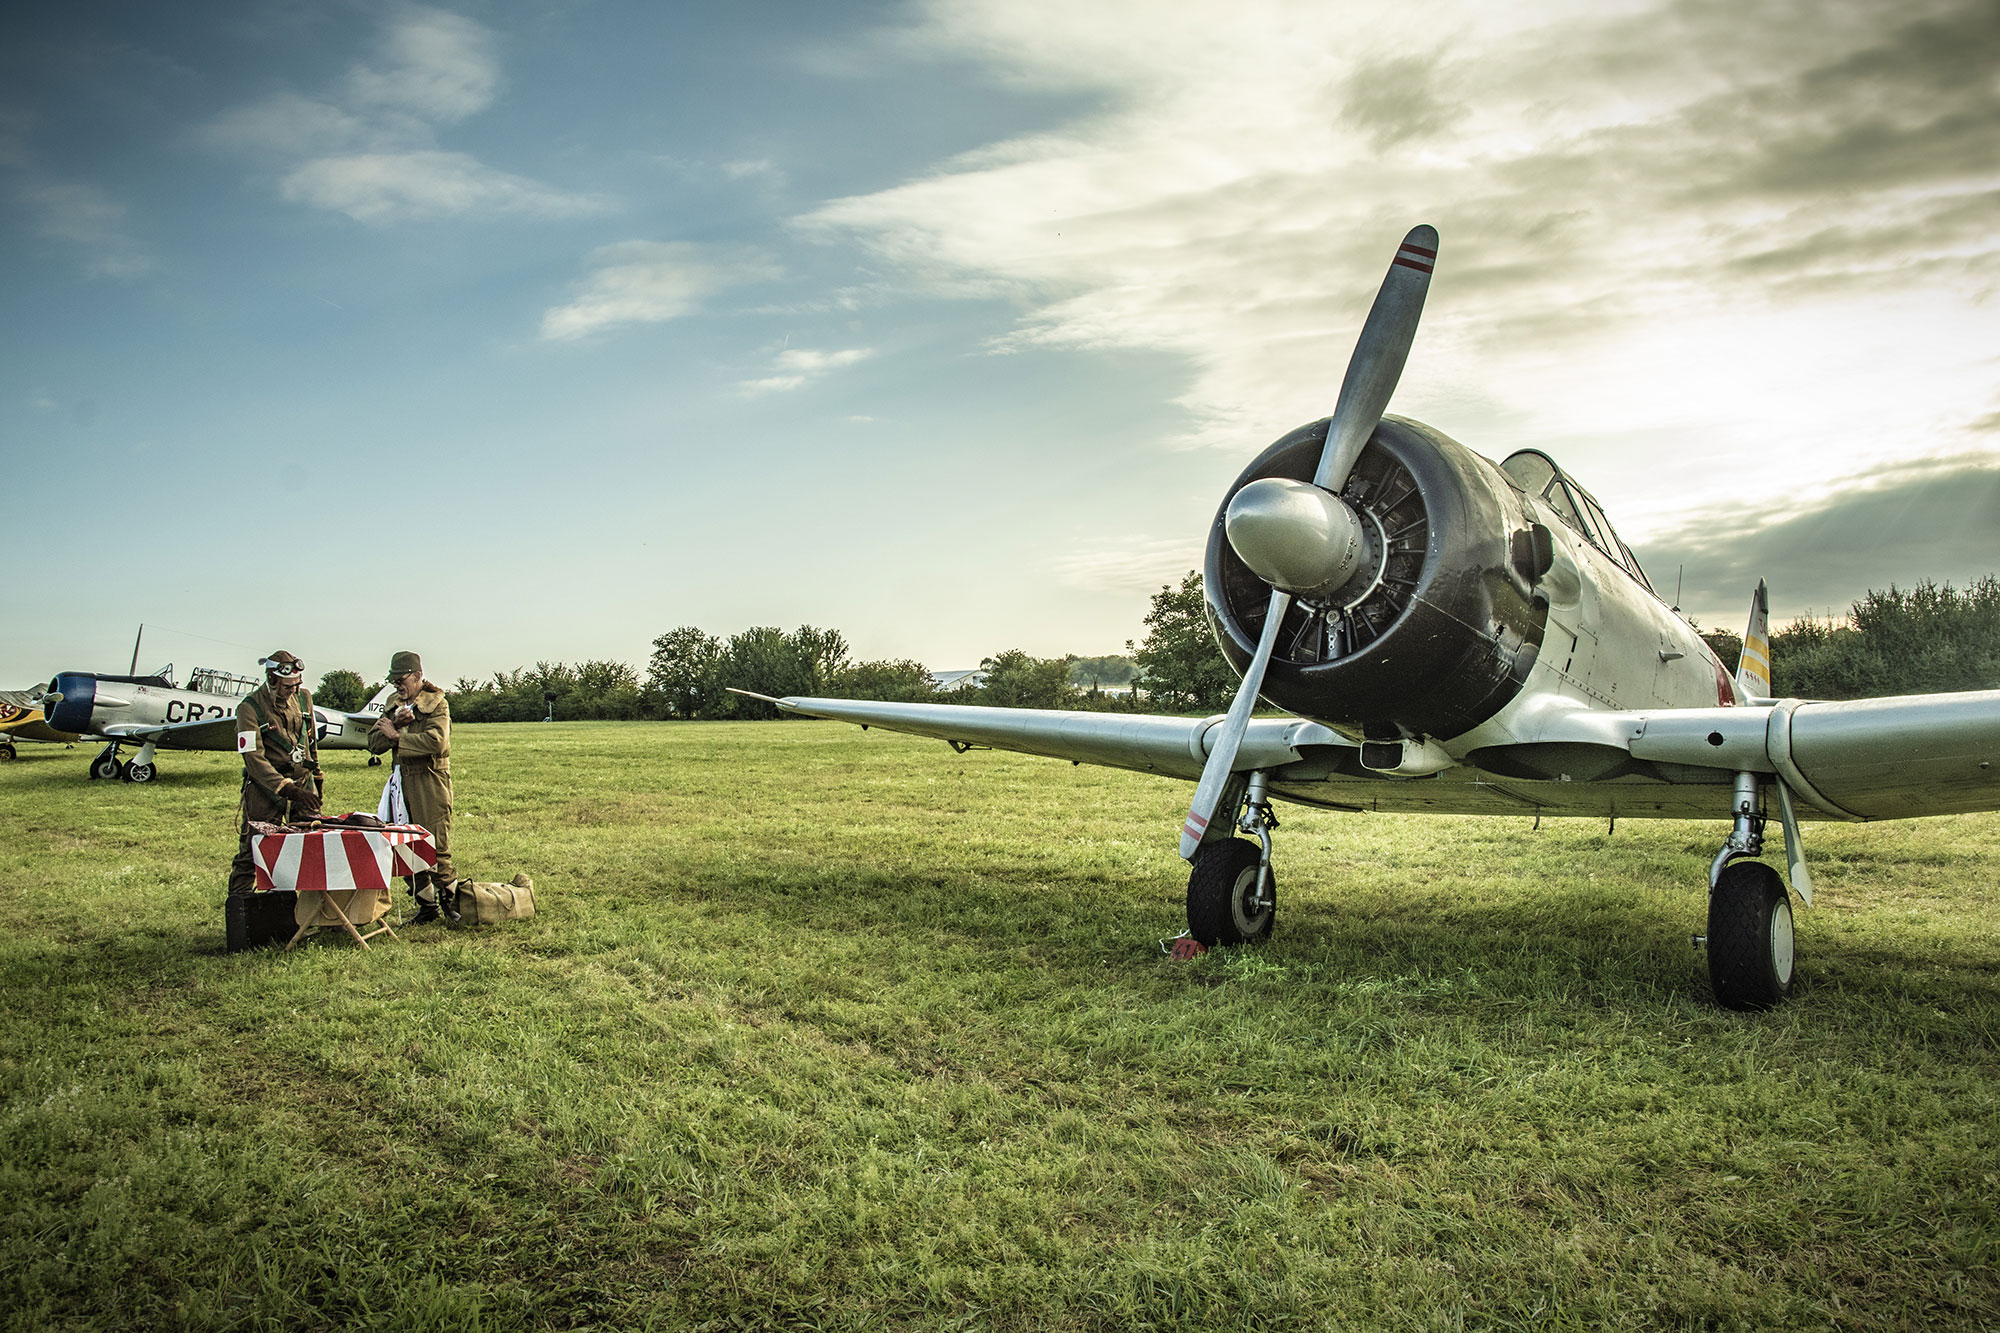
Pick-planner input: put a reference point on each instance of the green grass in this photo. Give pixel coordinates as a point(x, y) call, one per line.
point(828, 1029)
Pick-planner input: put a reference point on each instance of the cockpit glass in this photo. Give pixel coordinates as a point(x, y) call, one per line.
point(1531, 471)
point(1537, 474)
point(1558, 497)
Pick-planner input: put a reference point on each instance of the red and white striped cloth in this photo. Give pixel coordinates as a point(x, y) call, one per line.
point(341, 858)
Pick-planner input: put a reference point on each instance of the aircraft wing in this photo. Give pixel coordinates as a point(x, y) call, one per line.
point(1864, 759)
point(1890, 758)
point(1172, 746)
point(209, 733)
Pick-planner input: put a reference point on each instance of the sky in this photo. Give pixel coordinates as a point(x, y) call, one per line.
point(529, 331)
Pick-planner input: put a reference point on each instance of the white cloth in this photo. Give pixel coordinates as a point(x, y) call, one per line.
point(392, 810)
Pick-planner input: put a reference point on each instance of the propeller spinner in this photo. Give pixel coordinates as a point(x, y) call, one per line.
point(1304, 539)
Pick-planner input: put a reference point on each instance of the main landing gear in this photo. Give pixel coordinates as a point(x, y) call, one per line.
point(107, 765)
point(1232, 894)
point(1751, 949)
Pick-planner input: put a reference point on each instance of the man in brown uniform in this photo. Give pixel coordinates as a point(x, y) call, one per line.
point(281, 778)
point(417, 726)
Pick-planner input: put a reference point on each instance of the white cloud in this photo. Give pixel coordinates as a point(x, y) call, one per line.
point(800, 366)
point(287, 124)
point(1625, 244)
point(649, 282)
point(86, 217)
point(380, 187)
point(371, 151)
point(437, 65)
point(1133, 564)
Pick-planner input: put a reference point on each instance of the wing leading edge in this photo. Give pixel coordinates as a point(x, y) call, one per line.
point(1172, 746)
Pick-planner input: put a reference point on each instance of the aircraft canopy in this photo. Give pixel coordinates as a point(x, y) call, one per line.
point(1537, 474)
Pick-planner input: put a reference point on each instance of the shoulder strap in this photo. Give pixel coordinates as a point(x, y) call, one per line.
point(308, 724)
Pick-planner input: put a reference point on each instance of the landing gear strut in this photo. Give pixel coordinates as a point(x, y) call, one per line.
point(1232, 895)
point(1750, 940)
point(106, 764)
point(141, 768)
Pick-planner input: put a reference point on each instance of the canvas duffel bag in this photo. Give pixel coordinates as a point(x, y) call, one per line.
point(482, 904)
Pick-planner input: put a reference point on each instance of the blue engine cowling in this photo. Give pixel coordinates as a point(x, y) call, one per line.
point(79, 698)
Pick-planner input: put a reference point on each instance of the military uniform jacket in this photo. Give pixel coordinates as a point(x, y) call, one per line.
point(279, 744)
point(423, 753)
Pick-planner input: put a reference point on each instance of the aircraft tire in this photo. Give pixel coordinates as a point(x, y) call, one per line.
point(1750, 942)
point(6, 753)
point(1221, 890)
point(140, 772)
point(104, 766)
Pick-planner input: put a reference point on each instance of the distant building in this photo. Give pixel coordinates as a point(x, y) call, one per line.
point(944, 682)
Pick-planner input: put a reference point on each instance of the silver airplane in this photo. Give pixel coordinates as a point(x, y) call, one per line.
point(153, 713)
point(1463, 637)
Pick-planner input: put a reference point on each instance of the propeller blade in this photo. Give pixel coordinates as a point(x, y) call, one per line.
point(1215, 773)
point(1378, 358)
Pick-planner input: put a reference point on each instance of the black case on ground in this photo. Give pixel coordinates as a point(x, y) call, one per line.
point(251, 919)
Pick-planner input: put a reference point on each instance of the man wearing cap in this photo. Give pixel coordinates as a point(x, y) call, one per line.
point(280, 748)
point(417, 726)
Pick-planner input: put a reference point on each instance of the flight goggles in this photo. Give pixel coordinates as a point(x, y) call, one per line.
point(283, 670)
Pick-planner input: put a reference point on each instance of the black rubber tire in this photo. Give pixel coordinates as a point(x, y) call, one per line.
point(1751, 948)
point(139, 773)
point(1220, 891)
point(6, 752)
point(105, 766)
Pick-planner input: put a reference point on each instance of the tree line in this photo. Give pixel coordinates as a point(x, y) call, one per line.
point(1927, 639)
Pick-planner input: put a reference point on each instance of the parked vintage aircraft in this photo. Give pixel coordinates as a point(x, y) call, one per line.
point(1464, 637)
point(153, 714)
point(21, 720)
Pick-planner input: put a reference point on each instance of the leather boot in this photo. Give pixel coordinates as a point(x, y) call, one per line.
point(447, 892)
point(427, 912)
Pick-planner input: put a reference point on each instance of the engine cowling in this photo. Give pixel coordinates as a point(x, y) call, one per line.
point(79, 697)
point(1439, 627)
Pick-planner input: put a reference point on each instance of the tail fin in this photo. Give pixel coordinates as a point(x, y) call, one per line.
point(1753, 670)
point(374, 706)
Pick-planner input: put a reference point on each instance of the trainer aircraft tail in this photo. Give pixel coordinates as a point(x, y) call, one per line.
point(1753, 669)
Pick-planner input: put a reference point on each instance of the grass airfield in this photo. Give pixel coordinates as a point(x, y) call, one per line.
point(828, 1029)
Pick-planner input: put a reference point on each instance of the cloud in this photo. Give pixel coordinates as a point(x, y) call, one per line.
point(1135, 564)
point(437, 65)
point(749, 168)
point(1617, 187)
point(287, 124)
point(370, 150)
point(89, 219)
point(1937, 519)
point(649, 282)
point(376, 187)
point(799, 366)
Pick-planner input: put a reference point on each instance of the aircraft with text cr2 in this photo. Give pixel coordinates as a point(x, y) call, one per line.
point(153, 713)
point(1461, 637)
